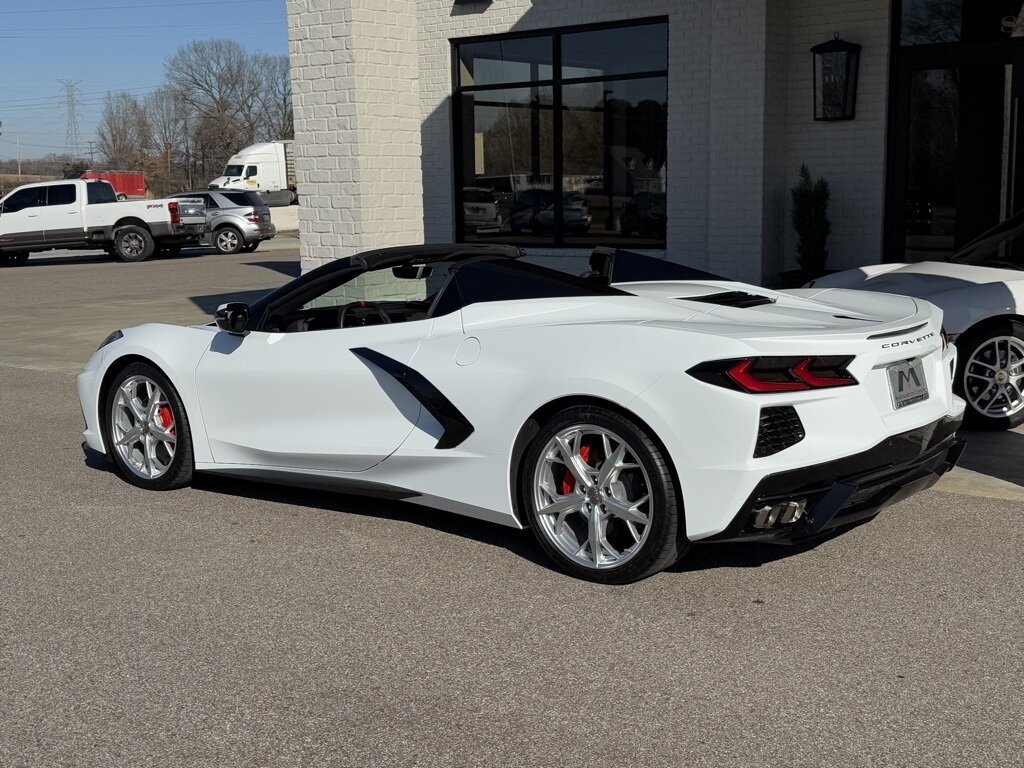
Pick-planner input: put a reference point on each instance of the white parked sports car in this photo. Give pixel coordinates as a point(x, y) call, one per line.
point(622, 422)
point(980, 290)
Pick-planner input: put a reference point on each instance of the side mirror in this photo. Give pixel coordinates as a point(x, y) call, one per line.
point(233, 317)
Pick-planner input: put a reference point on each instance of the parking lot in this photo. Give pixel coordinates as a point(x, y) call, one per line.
point(234, 623)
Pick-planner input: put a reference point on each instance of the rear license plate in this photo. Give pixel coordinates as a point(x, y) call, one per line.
point(907, 383)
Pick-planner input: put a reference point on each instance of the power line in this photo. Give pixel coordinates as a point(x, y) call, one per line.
point(72, 139)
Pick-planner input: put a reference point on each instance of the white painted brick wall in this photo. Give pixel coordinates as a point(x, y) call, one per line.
point(372, 82)
point(850, 154)
point(357, 130)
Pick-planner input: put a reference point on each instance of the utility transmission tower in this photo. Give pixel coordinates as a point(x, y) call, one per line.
point(72, 139)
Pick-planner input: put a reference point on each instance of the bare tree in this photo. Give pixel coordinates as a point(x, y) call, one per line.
point(219, 81)
point(123, 133)
point(276, 120)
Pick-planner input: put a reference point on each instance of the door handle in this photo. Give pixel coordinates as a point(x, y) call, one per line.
point(33, 215)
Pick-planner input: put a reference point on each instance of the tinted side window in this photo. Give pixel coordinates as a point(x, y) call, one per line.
point(210, 200)
point(244, 198)
point(503, 281)
point(250, 171)
point(100, 192)
point(25, 198)
point(62, 194)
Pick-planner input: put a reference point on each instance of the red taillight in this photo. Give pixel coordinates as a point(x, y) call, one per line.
point(748, 380)
point(945, 338)
point(175, 214)
point(765, 375)
point(253, 217)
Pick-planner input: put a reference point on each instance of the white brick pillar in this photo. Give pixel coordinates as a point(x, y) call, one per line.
point(357, 125)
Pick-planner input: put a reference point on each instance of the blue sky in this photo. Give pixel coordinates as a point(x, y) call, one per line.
point(108, 45)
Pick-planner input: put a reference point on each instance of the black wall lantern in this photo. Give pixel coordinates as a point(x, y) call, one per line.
point(835, 79)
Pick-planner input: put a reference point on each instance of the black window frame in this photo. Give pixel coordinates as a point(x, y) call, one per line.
point(40, 193)
point(556, 83)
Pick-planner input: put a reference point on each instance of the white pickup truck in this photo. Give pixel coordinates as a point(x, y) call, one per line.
point(77, 213)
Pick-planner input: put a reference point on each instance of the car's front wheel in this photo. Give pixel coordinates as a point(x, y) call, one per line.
point(990, 375)
point(601, 497)
point(147, 430)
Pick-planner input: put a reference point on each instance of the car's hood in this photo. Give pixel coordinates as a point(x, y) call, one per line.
point(922, 280)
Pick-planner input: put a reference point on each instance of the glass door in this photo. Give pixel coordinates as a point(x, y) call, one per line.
point(955, 154)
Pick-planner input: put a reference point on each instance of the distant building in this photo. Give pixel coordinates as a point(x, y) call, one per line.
point(704, 106)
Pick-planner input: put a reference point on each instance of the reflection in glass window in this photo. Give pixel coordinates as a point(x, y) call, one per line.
point(495, 62)
point(594, 173)
point(619, 51)
point(925, 22)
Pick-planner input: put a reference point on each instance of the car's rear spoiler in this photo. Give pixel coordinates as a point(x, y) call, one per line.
point(616, 265)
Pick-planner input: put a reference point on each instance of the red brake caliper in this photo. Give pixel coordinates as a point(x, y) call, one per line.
point(166, 418)
point(569, 481)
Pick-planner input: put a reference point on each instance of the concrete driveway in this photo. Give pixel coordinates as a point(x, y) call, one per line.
point(236, 624)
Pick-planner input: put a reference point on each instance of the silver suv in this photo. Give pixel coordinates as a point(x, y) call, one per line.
point(239, 220)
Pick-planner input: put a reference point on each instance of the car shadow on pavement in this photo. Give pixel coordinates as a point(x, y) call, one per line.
point(287, 268)
point(701, 557)
point(520, 543)
point(750, 555)
point(996, 454)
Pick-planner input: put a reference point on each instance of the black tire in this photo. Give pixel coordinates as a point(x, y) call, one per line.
point(13, 258)
point(228, 240)
point(665, 541)
point(967, 345)
point(250, 247)
point(179, 472)
point(133, 243)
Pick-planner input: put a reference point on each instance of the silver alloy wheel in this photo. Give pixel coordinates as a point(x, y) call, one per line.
point(227, 240)
point(142, 427)
point(592, 496)
point(994, 377)
point(133, 244)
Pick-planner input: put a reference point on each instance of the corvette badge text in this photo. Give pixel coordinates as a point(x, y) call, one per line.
point(905, 342)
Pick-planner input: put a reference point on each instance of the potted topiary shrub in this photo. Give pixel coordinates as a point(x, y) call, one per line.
point(810, 220)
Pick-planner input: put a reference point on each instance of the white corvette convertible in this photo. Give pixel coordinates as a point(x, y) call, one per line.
point(980, 290)
point(622, 422)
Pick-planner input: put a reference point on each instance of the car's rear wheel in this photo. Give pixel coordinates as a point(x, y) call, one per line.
point(133, 243)
point(228, 240)
point(250, 247)
point(601, 497)
point(13, 258)
point(990, 375)
point(147, 430)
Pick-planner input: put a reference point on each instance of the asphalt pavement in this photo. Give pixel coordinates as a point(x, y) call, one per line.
point(238, 624)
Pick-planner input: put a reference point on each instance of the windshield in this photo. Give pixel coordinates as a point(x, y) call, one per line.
point(1002, 246)
point(232, 170)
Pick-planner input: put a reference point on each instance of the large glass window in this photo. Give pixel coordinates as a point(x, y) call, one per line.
point(561, 138)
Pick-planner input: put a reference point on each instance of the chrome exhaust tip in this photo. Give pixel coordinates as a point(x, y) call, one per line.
point(782, 513)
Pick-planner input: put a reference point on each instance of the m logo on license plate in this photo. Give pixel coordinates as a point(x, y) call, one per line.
point(907, 383)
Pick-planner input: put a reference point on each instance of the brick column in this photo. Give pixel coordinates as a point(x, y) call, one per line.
point(357, 125)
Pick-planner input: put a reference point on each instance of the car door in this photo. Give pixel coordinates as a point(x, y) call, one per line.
point(20, 223)
point(304, 399)
point(62, 217)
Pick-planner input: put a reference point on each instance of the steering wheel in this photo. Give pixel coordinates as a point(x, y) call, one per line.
point(356, 305)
